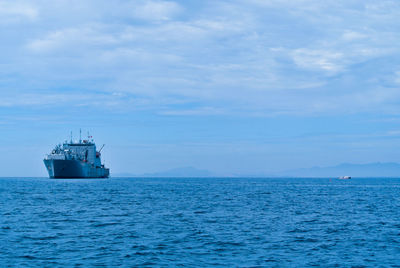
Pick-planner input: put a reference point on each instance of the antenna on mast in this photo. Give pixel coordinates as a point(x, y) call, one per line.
point(80, 135)
point(71, 136)
point(101, 148)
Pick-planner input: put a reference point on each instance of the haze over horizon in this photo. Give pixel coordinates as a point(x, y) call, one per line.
point(233, 87)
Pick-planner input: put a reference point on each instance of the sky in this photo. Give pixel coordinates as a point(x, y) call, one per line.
point(239, 87)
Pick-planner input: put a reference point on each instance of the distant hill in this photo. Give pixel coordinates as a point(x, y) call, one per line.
point(176, 172)
point(346, 169)
point(181, 172)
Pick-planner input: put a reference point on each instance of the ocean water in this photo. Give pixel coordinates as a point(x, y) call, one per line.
point(240, 222)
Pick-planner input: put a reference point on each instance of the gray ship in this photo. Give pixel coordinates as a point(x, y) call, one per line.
point(76, 160)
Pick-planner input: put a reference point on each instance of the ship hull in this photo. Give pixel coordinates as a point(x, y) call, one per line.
point(74, 169)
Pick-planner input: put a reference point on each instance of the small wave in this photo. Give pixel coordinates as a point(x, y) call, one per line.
point(325, 246)
point(105, 224)
point(29, 257)
point(139, 247)
point(273, 224)
point(310, 221)
point(226, 244)
point(297, 230)
point(305, 240)
point(39, 238)
point(142, 253)
point(200, 212)
point(270, 260)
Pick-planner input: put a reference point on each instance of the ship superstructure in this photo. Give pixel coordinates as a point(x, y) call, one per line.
point(76, 160)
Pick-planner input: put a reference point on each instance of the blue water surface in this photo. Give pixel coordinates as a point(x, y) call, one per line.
point(241, 222)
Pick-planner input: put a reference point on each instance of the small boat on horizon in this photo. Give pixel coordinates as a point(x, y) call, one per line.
point(345, 178)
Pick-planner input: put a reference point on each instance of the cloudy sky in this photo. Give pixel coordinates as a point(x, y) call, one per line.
point(235, 87)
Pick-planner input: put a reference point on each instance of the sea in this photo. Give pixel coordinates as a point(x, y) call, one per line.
point(200, 222)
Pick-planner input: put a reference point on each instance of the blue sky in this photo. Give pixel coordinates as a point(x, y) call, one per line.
point(235, 87)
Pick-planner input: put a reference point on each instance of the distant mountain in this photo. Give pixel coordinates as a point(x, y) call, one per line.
point(176, 172)
point(123, 174)
point(346, 169)
point(181, 172)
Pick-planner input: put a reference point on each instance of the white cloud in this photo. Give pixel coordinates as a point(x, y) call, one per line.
point(127, 55)
point(195, 111)
point(318, 59)
point(259, 57)
point(397, 77)
point(14, 11)
point(156, 10)
point(72, 99)
point(71, 38)
point(392, 133)
point(352, 35)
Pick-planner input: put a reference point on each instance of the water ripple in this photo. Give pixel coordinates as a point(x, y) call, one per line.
point(200, 222)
